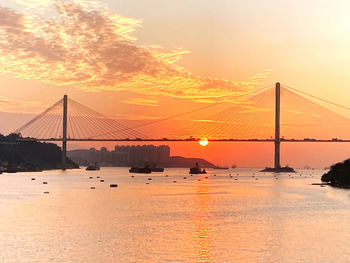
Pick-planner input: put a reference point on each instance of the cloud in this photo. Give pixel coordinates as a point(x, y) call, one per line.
point(24, 106)
point(94, 50)
point(34, 2)
point(136, 117)
point(141, 101)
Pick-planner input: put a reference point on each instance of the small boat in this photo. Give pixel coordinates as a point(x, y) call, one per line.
point(197, 170)
point(93, 167)
point(157, 169)
point(143, 170)
point(11, 169)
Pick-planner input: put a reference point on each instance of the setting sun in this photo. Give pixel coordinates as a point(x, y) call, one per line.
point(203, 142)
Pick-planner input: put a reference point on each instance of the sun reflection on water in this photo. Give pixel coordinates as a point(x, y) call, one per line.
point(202, 220)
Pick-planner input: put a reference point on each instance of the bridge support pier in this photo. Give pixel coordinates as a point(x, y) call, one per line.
point(64, 133)
point(277, 164)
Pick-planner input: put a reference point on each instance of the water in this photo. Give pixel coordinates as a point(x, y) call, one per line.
point(198, 219)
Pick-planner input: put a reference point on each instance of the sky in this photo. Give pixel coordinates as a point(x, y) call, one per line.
point(145, 60)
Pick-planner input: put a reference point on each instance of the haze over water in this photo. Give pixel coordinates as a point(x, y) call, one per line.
point(216, 219)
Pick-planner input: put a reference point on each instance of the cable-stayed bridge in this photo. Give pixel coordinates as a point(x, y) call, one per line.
point(277, 113)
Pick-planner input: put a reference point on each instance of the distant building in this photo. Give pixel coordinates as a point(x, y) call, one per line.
point(131, 155)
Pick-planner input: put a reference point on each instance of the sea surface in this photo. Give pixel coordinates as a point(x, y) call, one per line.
point(236, 215)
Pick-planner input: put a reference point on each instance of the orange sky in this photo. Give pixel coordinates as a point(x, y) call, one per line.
point(146, 60)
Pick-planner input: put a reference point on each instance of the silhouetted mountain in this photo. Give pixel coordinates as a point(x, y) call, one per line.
point(30, 155)
point(182, 162)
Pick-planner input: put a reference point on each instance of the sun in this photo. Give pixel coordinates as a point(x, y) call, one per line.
point(203, 142)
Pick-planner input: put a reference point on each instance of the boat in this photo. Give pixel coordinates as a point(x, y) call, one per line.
point(93, 167)
point(157, 169)
point(197, 170)
point(11, 169)
point(143, 170)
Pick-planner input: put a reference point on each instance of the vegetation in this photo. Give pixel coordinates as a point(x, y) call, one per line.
point(16, 155)
point(338, 175)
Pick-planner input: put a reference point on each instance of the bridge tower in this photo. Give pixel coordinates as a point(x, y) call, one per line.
point(277, 141)
point(64, 132)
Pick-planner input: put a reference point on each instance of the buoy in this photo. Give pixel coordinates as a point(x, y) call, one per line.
point(113, 185)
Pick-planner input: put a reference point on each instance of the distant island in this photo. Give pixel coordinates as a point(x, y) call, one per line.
point(285, 169)
point(140, 155)
point(30, 156)
point(182, 162)
point(338, 175)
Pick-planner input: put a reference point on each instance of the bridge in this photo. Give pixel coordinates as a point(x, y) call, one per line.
point(258, 119)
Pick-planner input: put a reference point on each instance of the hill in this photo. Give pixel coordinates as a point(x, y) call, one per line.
point(182, 162)
point(24, 156)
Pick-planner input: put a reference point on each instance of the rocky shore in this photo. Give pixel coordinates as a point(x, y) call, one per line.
point(338, 175)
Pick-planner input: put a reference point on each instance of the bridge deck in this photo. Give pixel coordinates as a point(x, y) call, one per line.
point(180, 140)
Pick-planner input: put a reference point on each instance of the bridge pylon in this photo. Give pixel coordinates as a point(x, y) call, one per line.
point(64, 132)
point(277, 140)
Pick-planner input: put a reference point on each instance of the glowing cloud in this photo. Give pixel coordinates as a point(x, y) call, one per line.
point(14, 105)
point(141, 101)
point(94, 50)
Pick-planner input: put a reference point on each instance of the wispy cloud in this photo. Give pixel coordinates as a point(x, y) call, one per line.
point(34, 3)
point(94, 50)
point(141, 101)
point(15, 105)
point(136, 117)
